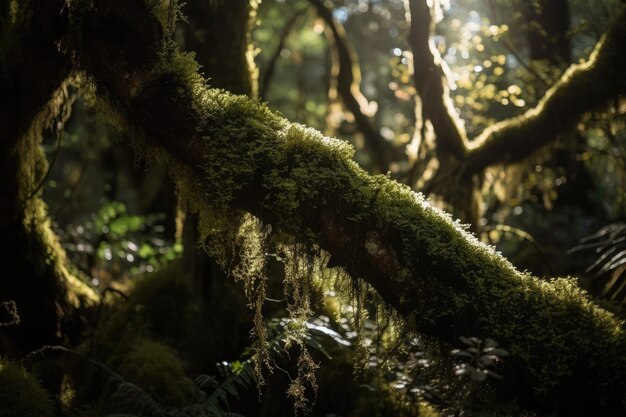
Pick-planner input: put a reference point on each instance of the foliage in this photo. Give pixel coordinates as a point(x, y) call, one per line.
point(161, 373)
point(21, 395)
point(113, 243)
point(608, 244)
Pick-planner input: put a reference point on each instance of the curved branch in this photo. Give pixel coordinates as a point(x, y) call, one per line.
point(348, 77)
point(269, 71)
point(234, 154)
point(582, 88)
point(429, 77)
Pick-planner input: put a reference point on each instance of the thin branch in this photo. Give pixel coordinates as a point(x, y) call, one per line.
point(582, 88)
point(271, 65)
point(429, 77)
point(348, 78)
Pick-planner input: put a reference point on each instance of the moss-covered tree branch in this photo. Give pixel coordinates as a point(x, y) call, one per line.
point(236, 155)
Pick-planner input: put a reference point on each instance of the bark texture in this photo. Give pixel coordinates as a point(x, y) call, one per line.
point(219, 34)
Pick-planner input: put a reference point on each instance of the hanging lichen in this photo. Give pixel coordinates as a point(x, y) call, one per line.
point(251, 242)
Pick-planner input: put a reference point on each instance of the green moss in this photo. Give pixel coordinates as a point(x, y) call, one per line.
point(160, 306)
point(21, 395)
point(157, 369)
point(448, 279)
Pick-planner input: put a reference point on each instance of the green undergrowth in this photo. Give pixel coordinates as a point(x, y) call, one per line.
point(158, 369)
point(21, 395)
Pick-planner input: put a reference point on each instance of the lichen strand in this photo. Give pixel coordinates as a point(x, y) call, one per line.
point(251, 242)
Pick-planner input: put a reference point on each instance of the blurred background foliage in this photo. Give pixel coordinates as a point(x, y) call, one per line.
point(559, 212)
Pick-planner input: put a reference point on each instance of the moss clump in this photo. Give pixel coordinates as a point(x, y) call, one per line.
point(20, 393)
point(157, 369)
point(160, 306)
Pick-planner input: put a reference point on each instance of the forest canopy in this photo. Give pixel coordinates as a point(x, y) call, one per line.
point(325, 207)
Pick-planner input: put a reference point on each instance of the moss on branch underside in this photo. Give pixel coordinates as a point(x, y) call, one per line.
point(231, 155)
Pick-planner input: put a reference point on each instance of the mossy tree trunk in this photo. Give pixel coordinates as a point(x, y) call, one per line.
point(219, 33)
point(232, 155)
point(32, 74)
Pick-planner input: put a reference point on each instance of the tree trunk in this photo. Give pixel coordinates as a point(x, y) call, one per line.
point(219, 33)
point(33, 95)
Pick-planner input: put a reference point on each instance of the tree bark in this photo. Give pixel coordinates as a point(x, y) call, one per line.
point(34, 273)
point(234, 154)
point(219, 34)
point(431, 83)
